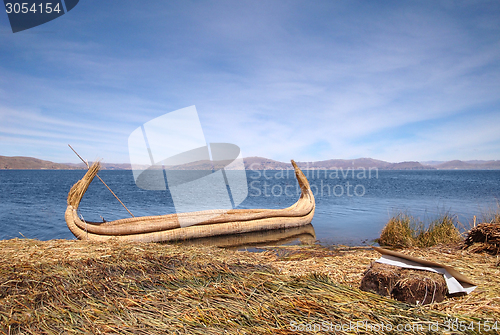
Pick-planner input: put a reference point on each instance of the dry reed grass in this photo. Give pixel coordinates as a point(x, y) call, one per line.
point(71, 287)
point(399, 232)
point(404, 231)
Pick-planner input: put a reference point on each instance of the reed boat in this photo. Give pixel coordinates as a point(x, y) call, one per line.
point(208, 223)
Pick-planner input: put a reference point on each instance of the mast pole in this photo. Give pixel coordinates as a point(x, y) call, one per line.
point(113, 193)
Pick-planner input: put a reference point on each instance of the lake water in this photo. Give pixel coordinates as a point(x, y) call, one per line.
point(351, 207)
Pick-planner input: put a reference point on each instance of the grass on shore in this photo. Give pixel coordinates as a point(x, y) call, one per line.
point(404, 231)
point(71, 287)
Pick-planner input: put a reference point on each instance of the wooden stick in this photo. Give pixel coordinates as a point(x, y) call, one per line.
point(113, 193)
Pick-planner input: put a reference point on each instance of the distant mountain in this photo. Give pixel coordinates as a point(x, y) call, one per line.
point(455, 164)
point(30, 163)
point(104, 166)
point(431, 163)
point(407, 166)
point(346, 164)
point(261, 163)
point(490, 165)
point(469, 165)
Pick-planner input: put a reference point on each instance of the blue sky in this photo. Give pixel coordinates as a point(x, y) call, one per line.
point(308, 80)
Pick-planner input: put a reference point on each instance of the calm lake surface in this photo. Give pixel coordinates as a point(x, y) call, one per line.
point(351, 207)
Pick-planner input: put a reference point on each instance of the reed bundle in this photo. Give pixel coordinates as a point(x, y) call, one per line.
point(79, 287)
point(76, 192)
point(484, 237)
point(411, 286)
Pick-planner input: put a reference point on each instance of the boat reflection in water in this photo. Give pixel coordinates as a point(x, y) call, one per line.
point(303, 234)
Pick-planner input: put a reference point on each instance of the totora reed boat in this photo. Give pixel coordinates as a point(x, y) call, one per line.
point(207, 223)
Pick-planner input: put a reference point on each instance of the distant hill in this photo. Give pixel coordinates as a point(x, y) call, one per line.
point(104, 166)
point(469, 165)
point(30, 163)
point(261, 163)
point(407, 166)
point(431, 163)
point(456, 164)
